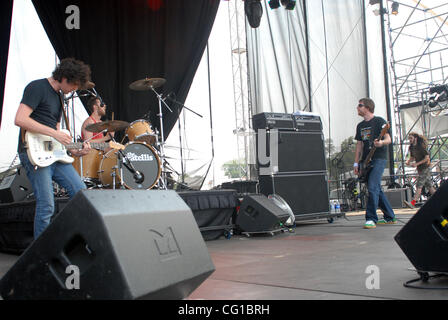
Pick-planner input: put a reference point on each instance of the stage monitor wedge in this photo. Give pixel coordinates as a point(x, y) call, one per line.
point(424, 239)
point(15, 187)
point(260, 214)
point(114, 245)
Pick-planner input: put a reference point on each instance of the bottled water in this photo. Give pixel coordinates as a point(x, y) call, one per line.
point(337, 207)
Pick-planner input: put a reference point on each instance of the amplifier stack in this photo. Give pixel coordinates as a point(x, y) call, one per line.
point(299, 175)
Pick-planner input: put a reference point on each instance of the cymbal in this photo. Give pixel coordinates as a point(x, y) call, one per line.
point(110, 126)
point(88, 85)
point(147, 84)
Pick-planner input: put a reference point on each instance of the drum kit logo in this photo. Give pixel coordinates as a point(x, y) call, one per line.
point(139, 158)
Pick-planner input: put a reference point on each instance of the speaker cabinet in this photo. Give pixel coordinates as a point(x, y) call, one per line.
point(424, 239)
point(258, 213)
point(304, 193)
point(15, 187)
point(125, 244)
point(397, 197)
point(298, 151)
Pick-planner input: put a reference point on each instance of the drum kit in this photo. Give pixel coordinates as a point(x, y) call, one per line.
point(139, 165)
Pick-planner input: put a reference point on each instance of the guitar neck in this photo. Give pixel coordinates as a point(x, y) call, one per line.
point(370, 155)
point(94, 145)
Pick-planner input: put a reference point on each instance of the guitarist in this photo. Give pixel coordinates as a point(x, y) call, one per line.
point(40, 112)
point(367, 133)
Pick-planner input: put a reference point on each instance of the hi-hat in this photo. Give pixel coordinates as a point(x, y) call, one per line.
point(147, 84)
point(110, 126)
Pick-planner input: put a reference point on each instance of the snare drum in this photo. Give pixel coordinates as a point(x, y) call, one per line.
point(89, 163)
point(142, 157)
point(140, 130)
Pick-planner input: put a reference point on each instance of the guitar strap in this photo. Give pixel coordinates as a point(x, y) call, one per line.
point(63, 111)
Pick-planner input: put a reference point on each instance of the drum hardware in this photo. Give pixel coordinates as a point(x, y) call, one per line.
point(172, 97)
point(151, 84)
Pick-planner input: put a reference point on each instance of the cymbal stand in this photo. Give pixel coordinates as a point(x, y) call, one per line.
point(180, 133)
point(162, 134)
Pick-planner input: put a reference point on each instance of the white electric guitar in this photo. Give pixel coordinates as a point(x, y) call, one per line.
point(45, 150)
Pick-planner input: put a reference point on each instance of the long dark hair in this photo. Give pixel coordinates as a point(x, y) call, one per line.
point(421, 140)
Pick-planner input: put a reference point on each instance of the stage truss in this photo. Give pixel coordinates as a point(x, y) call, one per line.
point(418, 50)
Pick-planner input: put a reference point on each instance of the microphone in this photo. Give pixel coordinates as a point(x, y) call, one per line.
point(138, 177)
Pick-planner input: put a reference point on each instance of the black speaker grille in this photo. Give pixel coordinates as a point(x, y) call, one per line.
point(304, 193)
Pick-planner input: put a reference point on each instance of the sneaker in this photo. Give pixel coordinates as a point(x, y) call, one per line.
point(383, 221)
point(369, 224)
point(409, 205)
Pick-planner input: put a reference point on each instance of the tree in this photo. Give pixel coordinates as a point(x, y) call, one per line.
point(343, 160)
point(234, 169)
point(329, 147)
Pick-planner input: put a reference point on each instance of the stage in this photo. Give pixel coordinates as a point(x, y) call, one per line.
point(317, 261)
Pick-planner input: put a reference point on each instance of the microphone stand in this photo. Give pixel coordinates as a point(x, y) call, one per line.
point(162, 133)
point(180, 133)
point(337, 161)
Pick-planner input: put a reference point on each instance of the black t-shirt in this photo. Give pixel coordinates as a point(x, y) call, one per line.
point(40, 96)
point(367, 132)
point(419, 153)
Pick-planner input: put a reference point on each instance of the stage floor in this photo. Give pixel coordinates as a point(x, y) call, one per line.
point(318, 261)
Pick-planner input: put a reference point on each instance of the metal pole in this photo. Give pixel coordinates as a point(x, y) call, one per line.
point(386, 86)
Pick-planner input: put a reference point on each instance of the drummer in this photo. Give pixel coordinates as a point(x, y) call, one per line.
point(97, 110)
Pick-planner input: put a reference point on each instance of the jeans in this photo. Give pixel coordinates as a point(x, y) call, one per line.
point(42, 181)
point(377, 199)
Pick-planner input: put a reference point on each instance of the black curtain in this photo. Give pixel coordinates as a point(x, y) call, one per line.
point(5, 31)
point(128, 40)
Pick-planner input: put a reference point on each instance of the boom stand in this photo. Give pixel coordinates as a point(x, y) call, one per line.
point(162, 135)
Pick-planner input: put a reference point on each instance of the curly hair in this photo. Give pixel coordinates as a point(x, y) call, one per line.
point(75, 71)
point(421, 140)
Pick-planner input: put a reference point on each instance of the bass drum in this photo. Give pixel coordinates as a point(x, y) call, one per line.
point(142, 157)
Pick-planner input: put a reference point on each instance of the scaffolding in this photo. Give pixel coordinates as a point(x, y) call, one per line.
point(237, 21)
point(418, 49)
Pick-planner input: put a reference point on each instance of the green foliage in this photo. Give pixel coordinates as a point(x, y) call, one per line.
point(233, 169)
point(343, 160)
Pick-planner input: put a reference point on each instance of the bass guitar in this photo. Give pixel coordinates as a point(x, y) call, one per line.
point(44, 150)
point(366, 165)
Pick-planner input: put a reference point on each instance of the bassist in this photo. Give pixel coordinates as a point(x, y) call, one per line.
point(40, 112)
point(367, 133)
